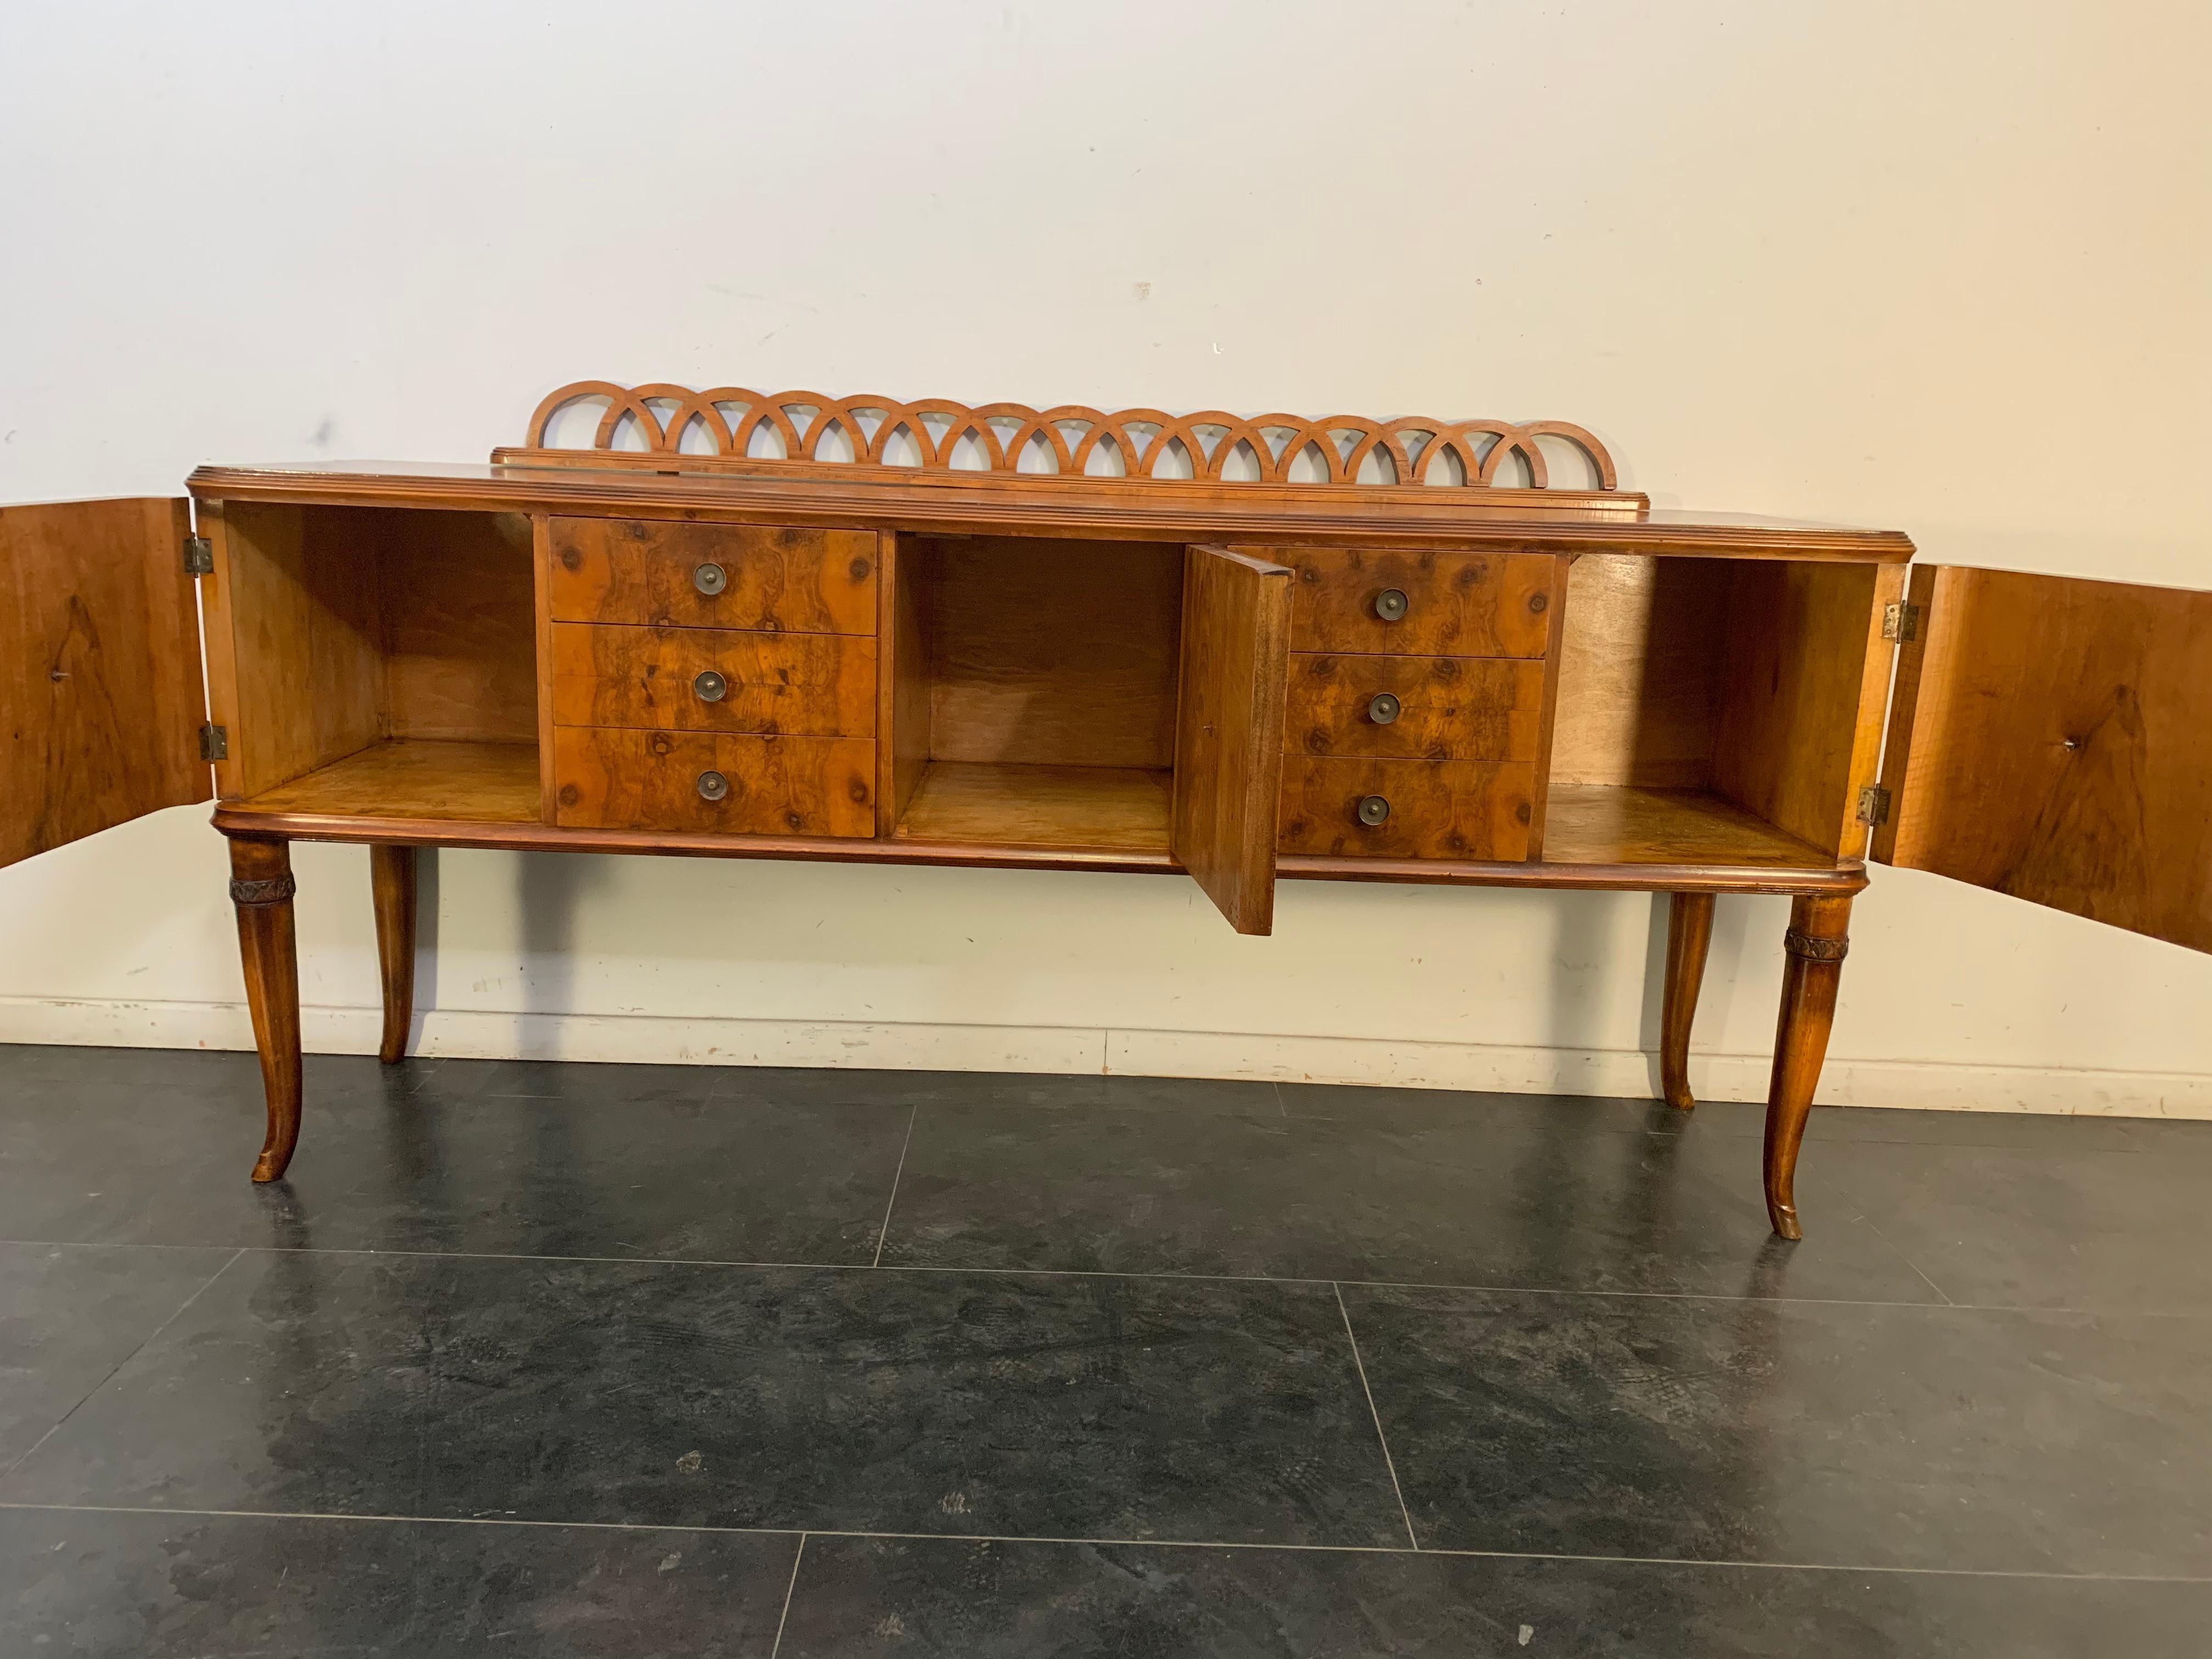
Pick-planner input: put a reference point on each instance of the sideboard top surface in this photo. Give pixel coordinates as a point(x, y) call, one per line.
point(979, 503)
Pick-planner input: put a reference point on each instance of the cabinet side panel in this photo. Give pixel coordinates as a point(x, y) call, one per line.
point(2059, 747)
point(307, 640)
point(1906, 728)
point(461, 616)
point(1548, 719)
point(541, 556)
point(1796, 665)
point(220, 638)
point(101, 694)
point(902, 726)
point(1637, 671)
point(1052, 652)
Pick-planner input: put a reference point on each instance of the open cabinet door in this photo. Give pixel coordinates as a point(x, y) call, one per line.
point(101, 692)
point(1229, 729)
point(2051, 738)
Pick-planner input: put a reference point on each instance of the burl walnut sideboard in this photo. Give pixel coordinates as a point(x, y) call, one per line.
point(1233, 649)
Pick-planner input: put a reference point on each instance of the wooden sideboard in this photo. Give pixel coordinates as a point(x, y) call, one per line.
point(1234, 649)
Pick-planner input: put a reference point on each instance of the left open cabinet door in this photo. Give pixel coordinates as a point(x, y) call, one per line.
point(1229, 729)
point(102, 697)
point(2051, 738)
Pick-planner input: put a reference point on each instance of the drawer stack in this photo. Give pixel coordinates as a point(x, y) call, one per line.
point(713, 679)
point(1416, 702)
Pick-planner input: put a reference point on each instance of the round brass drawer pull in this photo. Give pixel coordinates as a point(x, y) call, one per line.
point(1390, 603)
point(1373, 809)
point(710, 686)
point(1382, 708)
point(713, 785)
point(710, 578)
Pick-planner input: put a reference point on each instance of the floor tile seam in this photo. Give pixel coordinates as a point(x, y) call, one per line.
point(1851, 1191)
point(784, 1618)
point(122, 1244)
point(1753, 1131)
point(1452, 1287)
point(1875, 1227)
point(884, 1232)
point(1283, 1546)
point(1375, 1416)
point(137, 1348)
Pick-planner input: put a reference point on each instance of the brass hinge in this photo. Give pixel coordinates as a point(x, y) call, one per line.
point(215, 742)
point(200, 556)
point(1900, 622)
point(1874, 804)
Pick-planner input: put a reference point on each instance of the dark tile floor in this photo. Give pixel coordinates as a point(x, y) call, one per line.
point(640, 1360)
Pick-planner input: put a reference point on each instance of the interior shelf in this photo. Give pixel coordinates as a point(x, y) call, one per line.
point(1123, 808)
point(416, 778)
point(1624, 824)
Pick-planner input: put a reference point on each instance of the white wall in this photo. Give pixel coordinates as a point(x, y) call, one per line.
point(1941, 267)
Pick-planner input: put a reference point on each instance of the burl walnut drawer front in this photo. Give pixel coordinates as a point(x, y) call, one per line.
point(712, 680)
point(713, 575)
point(1406, 809)
point(714, 784)
point(1414, 707)
point(1415, 603)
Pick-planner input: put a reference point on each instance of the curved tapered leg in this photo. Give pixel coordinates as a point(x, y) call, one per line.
point(391, 880)
point(1816, 942)
point(261, 887)
point(1689, 933)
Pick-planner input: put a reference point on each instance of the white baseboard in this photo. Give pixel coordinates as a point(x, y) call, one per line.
point(1521, 1069)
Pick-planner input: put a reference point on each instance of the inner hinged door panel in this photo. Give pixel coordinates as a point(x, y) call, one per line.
point(1229, 729)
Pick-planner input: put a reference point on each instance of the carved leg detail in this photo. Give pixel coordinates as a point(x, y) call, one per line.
point(392, 878)
point(1689, 932)
point(1815, 942)
point(261, 887)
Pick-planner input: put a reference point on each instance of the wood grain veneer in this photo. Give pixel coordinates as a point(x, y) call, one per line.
point(1228, 732)
point(643, 570)
point(2047, 739)
point(1048, 653)
point(1438, 809)
point(612, 779)
point(1061, 807)
point(1798, 718)
point(1621, 825)
point(460, 782)
point(801, 684)
point(99, 670)
point(1449, 707)
point(1460, 604)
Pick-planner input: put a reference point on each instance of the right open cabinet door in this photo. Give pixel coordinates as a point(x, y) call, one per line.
point(101, 692)
point(1229, 729)
point(2051, 738)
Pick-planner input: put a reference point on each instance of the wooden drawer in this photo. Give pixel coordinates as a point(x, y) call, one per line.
point(1438, 809)
point(1457, 605)
point(614, 780)
point(820, 685)
point(1446, 707)
point(648, 570)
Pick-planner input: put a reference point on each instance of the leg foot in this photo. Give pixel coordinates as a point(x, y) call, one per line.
point(391, 880)
point(1689, 932)
point(1815, 942)
point(261, 887)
